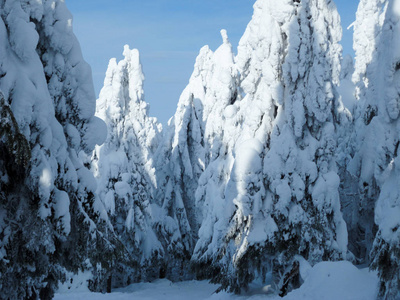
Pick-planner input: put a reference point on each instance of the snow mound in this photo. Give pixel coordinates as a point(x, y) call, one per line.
point(336, 280)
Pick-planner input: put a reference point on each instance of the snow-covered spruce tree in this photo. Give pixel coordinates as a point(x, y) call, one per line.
point(123, 166)
point(220, 105)
point(385, 128)
point(50, 221)
point(291, 206)
point(247, 124)
point(192, 141)
point(175, 176)
point(300, 168)
point(368, 151)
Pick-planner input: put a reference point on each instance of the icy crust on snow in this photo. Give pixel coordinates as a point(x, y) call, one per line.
point(123, 165)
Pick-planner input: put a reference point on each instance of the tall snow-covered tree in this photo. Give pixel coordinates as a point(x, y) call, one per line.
point(289, 58)
point(300, 167)
point(247, 123)
point(220, 121)
point(383, 91)
point(124, 168)
point(193, 140)
point(368, 151)
point(179, 162)
point(51, 221)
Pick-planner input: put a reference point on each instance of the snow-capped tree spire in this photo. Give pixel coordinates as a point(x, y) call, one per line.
point(135, 74)
point(370, 16)
point(123, 167)
point(195, 139)
point(225, 38)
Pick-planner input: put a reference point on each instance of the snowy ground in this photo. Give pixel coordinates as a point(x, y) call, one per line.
point(326, 281)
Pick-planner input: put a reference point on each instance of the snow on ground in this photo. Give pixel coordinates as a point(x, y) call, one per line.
point(326, 281)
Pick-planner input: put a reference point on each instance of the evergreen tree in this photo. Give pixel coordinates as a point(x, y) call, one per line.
point(383, 90)
point(123, 166)
point(51, 220)
point(300, 167)
point(291, 206)
point(247, 123)
point(179, 163)
point(193, 141)
point(369, 153)
point(220, 121)
point(248, 178)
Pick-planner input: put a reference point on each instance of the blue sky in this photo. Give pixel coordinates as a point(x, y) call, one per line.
point(169, 35)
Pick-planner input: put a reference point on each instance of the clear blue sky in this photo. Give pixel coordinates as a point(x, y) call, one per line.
point(169, 35)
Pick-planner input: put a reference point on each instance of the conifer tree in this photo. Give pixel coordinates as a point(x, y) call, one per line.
point(220, 119)
point(383, 90)
point(123, 166)
point(290, 206)
point(51, 220)
point(194, 140)
point(369, 155)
